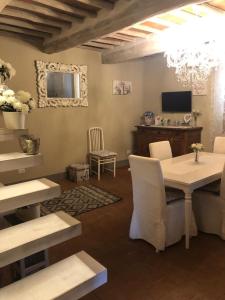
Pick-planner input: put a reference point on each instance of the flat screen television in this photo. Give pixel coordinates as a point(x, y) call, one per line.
point(177, 101)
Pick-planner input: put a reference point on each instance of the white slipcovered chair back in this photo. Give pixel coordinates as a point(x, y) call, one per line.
point(222, 186)
point(149, 201)
point(209, 209)
point(219, 145)
point(96, 139)
point(160, 150)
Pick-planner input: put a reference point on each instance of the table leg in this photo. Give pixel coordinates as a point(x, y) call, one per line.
point(188, 215)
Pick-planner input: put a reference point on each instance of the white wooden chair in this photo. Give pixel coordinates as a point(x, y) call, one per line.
point(97, 153)
point(219, 145)
point(161, 150)
point(157, 218)
point(209, 208)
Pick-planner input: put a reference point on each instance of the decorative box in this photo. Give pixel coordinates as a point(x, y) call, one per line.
point(78, 172)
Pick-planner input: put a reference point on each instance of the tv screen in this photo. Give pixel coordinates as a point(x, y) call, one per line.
point(177, 101)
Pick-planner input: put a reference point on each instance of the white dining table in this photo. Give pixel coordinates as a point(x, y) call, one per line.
point(183, 173)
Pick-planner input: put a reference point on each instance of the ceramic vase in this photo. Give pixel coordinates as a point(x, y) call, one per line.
point(14, 120)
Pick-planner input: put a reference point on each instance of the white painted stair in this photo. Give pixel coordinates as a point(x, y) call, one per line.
point(17, 160)
point(27, 193)
point(71, 278)
point(10, 134)
point(36, 235)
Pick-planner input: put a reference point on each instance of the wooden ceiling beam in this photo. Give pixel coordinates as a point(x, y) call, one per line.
point(109, 41)
point(3, 4)
point(208, 8)
point(35, 41)
point(134, 50)
point(97, 3)
point(47, 12)
point(24, 31)
point(91, 48)
point(134, 33)
point(99, 45)
point(30, 17)
point(124, 14)
point(26, 25)
point(122, 37)
point(55, 4)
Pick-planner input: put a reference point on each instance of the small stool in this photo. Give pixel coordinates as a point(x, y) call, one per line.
point(78, 172)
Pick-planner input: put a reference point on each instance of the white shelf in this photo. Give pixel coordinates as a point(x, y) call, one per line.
point(17, 160)
point(27, 193)
point(36, 235)
point(10, 134)
point(71, 278)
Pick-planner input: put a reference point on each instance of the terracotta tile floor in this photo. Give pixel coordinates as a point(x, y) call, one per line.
point(135, 271)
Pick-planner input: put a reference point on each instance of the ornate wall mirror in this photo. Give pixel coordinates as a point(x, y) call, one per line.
point(61, 85)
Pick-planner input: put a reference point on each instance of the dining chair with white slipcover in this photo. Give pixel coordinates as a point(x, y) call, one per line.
point(161, 150)
point(219, 145)
point(97, 153)
point(157, 218)
point(209, 208)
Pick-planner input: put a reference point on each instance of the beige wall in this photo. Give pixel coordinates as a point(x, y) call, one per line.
point(63, 131)
point(158, 78)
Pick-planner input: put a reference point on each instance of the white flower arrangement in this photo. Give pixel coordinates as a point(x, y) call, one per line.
point(6, 70)
point(19, 102)
point(197, 147)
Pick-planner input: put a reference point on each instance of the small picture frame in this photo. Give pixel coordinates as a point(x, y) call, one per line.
point(122, 87)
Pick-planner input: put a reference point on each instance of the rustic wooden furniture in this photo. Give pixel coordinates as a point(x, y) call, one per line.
point(180, 138)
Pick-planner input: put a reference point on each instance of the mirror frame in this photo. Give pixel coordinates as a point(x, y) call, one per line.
point(42, 68)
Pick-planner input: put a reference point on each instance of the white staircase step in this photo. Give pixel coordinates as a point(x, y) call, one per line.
point(17, 160)
point(36, 235)
point(27, 193)
point(71, 278)
point(9, 134)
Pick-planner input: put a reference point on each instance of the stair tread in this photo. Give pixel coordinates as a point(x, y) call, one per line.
point(27, 193)
point(38, 234)
point(17, 160)
point(70, 278)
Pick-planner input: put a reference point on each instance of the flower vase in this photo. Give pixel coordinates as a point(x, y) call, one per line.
point(14, 120)
point(196, 156)
point(3, 86)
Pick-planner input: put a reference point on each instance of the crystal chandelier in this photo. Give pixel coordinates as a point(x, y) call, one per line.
point(194, 49)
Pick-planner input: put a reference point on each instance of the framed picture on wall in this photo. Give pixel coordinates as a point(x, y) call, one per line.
point(199, 89)
point(121, 87)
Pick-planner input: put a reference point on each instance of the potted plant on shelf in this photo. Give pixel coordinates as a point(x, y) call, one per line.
point(15, 107)
point(6, 73)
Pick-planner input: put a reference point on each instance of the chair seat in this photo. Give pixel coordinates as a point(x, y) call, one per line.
point(213, 187)
point(103, 153)
point(173, 195)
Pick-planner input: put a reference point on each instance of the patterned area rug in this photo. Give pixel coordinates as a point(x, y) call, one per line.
point(79, 200)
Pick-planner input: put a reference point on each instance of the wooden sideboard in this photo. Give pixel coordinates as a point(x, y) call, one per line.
point(180, 138)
